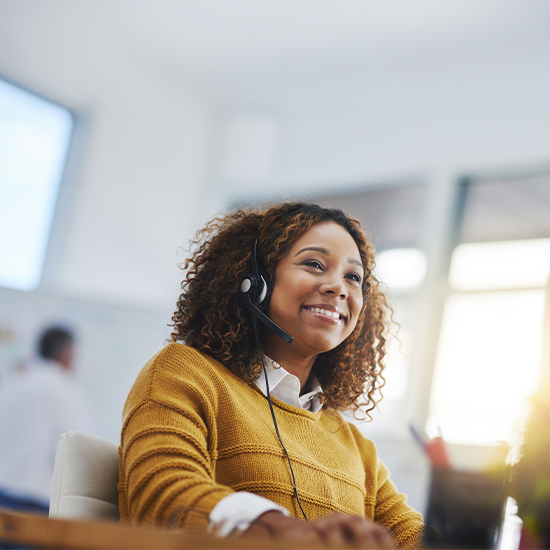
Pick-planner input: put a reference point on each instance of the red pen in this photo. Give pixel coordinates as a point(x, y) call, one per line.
point(437, 453)
point(434, 448)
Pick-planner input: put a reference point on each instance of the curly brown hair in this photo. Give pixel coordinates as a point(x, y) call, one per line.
point(210, 317)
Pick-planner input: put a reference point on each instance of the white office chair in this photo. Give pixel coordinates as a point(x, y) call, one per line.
point(85, 478)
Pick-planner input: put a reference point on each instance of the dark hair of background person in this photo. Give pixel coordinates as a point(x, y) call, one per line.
point(210, 318)
point(53, 342)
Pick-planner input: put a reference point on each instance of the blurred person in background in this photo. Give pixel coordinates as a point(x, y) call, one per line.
point(37, 405)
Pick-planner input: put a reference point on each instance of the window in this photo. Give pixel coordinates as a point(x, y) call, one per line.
point(34, 137)
point(489, 353)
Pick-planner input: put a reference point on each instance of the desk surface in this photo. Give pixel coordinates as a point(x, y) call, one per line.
point(43, 532)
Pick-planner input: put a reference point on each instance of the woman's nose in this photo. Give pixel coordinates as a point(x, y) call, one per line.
point(333, 284)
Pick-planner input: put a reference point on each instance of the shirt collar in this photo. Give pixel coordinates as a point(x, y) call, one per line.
point(286, 387)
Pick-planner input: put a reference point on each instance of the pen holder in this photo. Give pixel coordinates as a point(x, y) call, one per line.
point(465, 509)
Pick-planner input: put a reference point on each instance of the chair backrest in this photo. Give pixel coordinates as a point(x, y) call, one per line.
point(85, 478)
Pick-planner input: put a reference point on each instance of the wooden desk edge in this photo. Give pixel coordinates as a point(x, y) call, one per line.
point(43, 532)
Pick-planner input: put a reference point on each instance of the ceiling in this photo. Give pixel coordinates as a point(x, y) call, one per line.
point(320, 96)
point(73, 49)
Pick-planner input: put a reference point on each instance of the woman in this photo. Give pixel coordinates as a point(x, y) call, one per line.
point(200, 445)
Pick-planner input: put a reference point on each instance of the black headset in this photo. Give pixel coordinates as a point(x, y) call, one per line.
point(252, 292)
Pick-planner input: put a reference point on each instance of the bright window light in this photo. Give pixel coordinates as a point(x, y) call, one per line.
point(401, 268)
point(34, 136)
point(509, 264)
point(487, 365)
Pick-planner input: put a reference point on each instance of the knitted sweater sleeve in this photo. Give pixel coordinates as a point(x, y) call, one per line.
point(391, 511)
point(167, 453)
point(384, 504)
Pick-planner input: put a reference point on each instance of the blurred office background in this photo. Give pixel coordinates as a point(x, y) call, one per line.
point(126, 124)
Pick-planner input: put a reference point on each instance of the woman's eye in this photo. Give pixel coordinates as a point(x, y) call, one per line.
point(313, 263)
point(354, 277)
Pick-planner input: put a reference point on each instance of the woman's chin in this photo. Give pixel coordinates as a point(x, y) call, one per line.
point(315, 344)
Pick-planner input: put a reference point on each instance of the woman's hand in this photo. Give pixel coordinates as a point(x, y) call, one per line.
point(334, 531)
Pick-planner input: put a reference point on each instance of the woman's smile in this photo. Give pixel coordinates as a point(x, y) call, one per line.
point(326, 312)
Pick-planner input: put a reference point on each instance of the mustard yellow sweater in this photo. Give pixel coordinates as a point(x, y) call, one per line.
point(193, 433)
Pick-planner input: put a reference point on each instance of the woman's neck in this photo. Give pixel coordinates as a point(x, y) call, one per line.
point(298, 366)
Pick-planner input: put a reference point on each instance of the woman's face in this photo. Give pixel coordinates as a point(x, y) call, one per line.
point(317, 294)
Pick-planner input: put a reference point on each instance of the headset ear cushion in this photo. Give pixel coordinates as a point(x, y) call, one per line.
point(261, 291)
point(246, 285)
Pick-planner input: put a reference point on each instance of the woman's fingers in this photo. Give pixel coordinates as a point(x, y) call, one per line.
point(339, 530)
point(334, 531)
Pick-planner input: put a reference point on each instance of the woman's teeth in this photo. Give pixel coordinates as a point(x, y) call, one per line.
point(322, 311)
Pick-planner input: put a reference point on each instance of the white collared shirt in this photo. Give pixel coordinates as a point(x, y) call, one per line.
point(236, 512)
point(286, 387)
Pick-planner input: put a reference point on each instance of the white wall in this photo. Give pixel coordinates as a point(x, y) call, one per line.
point(142, 177)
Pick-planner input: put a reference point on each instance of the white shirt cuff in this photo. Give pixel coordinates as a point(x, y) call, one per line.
point(235, 513)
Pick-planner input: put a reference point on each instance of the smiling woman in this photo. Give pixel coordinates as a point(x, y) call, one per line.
point(207, 441)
